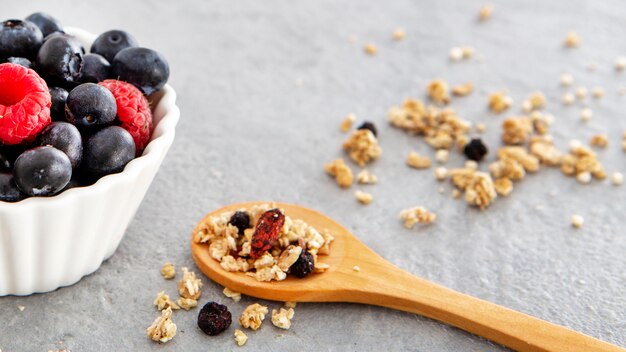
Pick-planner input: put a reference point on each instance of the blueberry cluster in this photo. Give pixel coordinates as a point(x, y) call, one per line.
point(84, 140)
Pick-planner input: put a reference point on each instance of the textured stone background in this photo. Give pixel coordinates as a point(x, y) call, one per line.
point(250, 131)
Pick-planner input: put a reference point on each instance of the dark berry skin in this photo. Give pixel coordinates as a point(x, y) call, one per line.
point(46, 23)
point(42, 171)
point(241, 220)
point(65, 137)
point(95, 69)
point(20, 61)
point(475, 150)
point(57, 109)
point(303, 266)
point(59, 61)
point(107, 152)
point(214, 318)
point(369, 126)
point(108, 44)
point(8, 189)
point(90, 107)
point(144, 68)
point(19, 39)
point(5, 163)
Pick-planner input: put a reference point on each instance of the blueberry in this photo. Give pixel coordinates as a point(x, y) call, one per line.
point(108, 44)
point(42, 171)
point(5, 163)
point(90, 106)
point(241, 220)
point(57, 109)
point(369, 126)
point(64, 137)
point(95, 69)
point(303, 266)
point(19, 38)
point(214, 318)
point(59, 60)
point(144, 68)
point(75, 44)
point(20, 61)
point(8, 189)
point(107, 152)
point(475, 149)
point(46, 23)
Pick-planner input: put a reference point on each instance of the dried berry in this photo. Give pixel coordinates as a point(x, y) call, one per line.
point(303, 266)
point(214, 318)
point(369, 126)
point(240, 220)
point(475, 149)
point(267, 231)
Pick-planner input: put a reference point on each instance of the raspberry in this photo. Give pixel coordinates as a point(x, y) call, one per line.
point(24, 104)
point(133, 111)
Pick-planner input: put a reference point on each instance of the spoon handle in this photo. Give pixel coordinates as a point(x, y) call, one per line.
point(392, 287)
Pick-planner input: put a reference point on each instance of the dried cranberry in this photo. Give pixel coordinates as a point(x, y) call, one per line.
point(303, 266)
point(241, 220)
point(369, 126)
point(475, 149)
point(214, 318)
point(266, 232)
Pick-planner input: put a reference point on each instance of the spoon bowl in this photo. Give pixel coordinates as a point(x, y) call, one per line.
point(380, 283)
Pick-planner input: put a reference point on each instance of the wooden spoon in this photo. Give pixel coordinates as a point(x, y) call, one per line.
point(381, 283)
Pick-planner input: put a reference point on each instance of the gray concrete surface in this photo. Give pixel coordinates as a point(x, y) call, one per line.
point(262, 87)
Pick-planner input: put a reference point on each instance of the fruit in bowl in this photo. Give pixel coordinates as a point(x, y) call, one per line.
point(77, 132)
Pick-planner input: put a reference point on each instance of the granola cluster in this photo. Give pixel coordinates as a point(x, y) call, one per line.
point(582, 163)
point(478, 186)
point(282, 318)
point(162, 329)
point(341, 172)
point(252, 317)
point(512, 165)
point(232, 249)
point(438, 91)
point(412, 216)
point(499, 102)
point(362, 147)
point(442, 128)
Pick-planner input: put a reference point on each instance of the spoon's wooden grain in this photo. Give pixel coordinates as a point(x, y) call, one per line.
point(381, 283)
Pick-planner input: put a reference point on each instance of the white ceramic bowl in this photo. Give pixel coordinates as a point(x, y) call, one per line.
point(46, 243)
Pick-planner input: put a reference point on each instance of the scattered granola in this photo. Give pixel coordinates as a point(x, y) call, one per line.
point(584, 177)
point(516, 130)
point(21, 309)
point(442, 155)
point(399, 34)
point(225, 243)
point(503, 186)
point(577, 221)
point(597, 93)
point(568, 98)
point(440, 127)
point(485, 12)
point(362, 147)
point(581, 93)
point(189, 286)
point(572, 40)
point(290, 304)
point(463, 90)
point(240, 337)
point(163, 301)
point(187, 303)
point(586, 114)
point(617, 178)
point(168, 271)
point(162, 329)
point(366, 178)
point(499, 102)
point(363, 197)
point(481, 127)
point(346, 123)
point(236, 296)
point(543, 148)
point(455, 54)
point(370, 49)
point(600, 141)
point(341, 172)
point(441, 173)
point(438, 91)
point(417, 161)
point(282, 318)
point(567, 79)
point(412, 216)
point(480, 191)
point(536, 100)
point(252, 317)
point(582, 159)
point(620, 64)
